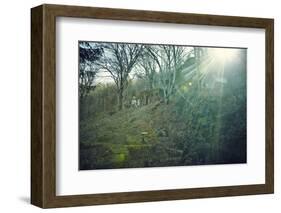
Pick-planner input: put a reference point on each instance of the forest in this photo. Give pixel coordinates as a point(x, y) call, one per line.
point(154, 105)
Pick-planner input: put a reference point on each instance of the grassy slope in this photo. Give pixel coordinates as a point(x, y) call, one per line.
point(158, 135)
point(132, 133)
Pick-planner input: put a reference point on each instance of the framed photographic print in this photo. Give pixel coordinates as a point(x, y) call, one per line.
point(135, 106)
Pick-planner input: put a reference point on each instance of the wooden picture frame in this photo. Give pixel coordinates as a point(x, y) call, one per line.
point(43, 105)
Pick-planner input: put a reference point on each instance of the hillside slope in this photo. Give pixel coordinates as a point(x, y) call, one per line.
point(134, 137)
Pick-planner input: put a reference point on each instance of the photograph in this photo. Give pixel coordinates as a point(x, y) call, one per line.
point(140, 105)
point(156, 105)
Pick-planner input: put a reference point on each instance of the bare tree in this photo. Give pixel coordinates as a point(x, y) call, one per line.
point(119, 60)
point(198, 57)
point(148, 68)
point(88, 55)
point(169, 60)
point(147, 71)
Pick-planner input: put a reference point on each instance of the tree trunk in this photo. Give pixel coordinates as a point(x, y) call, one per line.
point(120, 100)
point(146, 99)
point(166, 97)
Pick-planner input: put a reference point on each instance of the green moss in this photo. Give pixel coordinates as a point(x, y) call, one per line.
point(120, 158)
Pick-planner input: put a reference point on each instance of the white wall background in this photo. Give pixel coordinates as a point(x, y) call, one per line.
point(15, 105)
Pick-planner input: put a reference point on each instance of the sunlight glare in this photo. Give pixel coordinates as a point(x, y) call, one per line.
point(223, 54)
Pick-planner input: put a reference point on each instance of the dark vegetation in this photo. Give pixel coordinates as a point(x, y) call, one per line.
point(164, 106)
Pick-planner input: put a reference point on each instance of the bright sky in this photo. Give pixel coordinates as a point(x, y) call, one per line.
point(223, 54)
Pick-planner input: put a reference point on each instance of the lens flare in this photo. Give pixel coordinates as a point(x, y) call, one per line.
point(223, 54)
